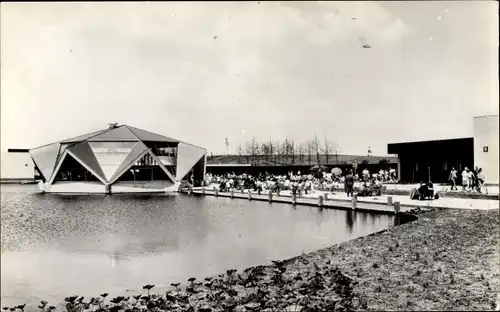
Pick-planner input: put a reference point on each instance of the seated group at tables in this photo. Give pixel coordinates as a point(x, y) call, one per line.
point(425, 191)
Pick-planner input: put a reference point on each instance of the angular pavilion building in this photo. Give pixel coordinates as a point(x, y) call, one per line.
point(119, 159)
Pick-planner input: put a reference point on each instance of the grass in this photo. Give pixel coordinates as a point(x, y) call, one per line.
point(446, 260)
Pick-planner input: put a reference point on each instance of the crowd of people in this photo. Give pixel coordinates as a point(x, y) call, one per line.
point(472, 180)
point(301, 182)
point(304, 183)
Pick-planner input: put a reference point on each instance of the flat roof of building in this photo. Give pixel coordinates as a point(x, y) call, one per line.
point(395, 148)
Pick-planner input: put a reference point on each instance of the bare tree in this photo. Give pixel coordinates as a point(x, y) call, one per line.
point(310, 150)
point(276, 149)
point(316, 149)
point(298, 150)
point(286, 151)
point(327, 149)
point(239, 150)
point(337, 151)
point(265, 151)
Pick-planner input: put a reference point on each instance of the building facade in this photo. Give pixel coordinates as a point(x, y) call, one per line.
point(433, 160)
point(119, 159)
point(486, 140)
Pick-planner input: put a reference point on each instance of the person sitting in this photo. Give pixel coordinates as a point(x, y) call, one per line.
point(430, 190)
point(222, 186)
point(362, 188)
point(423, 190)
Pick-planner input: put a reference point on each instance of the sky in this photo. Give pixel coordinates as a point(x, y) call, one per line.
point(200, 72)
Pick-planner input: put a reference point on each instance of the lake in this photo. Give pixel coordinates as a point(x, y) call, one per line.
point(55, 246)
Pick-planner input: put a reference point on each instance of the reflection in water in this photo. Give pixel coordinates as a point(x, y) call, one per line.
point(349, 221)
point(55, 246)
point(364, 218)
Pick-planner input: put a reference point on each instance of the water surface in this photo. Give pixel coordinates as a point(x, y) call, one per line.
point(54, 246)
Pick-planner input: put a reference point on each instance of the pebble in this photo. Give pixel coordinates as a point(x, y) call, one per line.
point(253, 306)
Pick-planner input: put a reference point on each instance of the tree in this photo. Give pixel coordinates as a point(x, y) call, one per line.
point(337, 151)
point(254, 147)
point(239, 150)
point(327, 149)
point(310, 149)
point(316, 149)
point(383, 161)
point(248, 149)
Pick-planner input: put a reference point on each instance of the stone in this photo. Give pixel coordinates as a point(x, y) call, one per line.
point(252, 306)
point(272, 302)
point(240, 308)
point(294, 308)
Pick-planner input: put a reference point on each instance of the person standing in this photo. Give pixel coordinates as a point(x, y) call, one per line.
point(349, 183)
point(465, 180)
point(453, 178)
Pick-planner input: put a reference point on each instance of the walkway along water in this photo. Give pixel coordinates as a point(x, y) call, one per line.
point(383, 204)
point(319, 199)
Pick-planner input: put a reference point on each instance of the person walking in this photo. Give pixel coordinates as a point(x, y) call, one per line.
point(471, 177)
point(349, 183)
point(480, 181)
point(453, 178)
point(465, 180)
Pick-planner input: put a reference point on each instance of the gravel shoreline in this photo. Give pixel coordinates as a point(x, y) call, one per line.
point(445, 260)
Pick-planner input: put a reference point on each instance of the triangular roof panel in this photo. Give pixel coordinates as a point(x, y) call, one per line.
point(120, 133)
point(110, 155)
point(62, 149)
point(187, 157)
point(84, 137)
point(144, 135)
point(45, 158)
point(136, 152)
point(84, 153)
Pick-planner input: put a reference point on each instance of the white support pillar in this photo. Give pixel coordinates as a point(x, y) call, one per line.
point(397, 208)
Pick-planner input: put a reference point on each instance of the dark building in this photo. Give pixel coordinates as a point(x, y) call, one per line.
point(432, 160)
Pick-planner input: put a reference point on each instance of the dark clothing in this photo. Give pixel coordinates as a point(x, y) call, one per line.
point(474, 180)
point(430, 190)
point(453, 179)
point(349, 179)
point(349, 184)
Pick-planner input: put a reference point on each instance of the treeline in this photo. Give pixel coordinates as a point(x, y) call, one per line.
point(288, 151)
